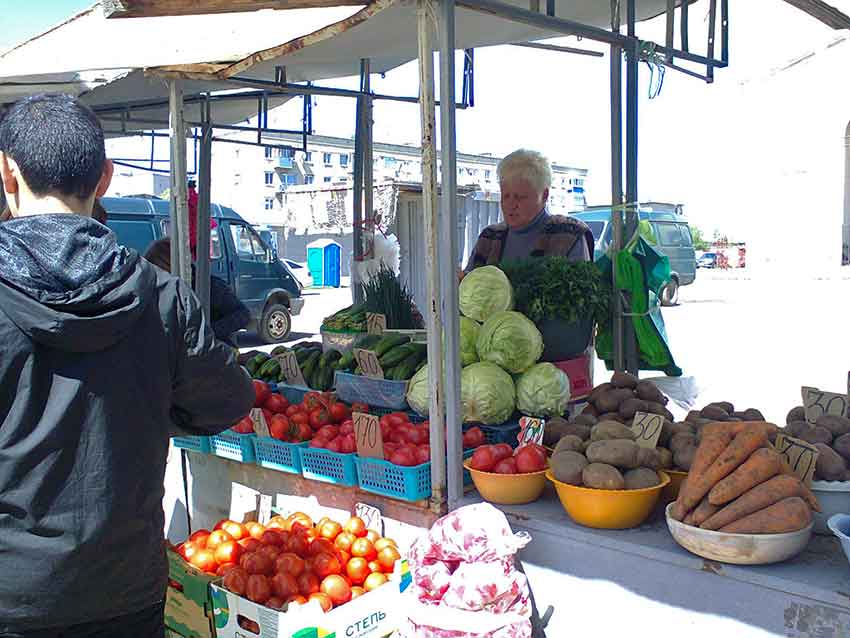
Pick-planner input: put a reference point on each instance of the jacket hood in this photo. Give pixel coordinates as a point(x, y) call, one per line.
point(67, 284)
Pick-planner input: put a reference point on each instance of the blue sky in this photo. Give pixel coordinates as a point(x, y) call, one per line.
point(25, 19)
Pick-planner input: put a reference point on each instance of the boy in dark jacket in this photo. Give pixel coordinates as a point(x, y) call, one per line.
point(102, 358)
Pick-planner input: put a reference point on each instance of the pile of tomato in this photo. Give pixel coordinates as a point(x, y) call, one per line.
point(503, 459)
point(292, 561)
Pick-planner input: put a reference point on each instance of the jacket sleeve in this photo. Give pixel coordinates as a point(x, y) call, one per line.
point(232, 315)
point(210, 390)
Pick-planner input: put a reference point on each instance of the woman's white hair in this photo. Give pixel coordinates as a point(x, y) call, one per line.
point(529, 165)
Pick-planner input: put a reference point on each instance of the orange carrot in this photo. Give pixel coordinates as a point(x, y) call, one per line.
point(710, 448)
point(763, 464)
point(788, 515)
point(730, 458)
point(689, 519)
point(736, 427)
point(703, 511)
point(761, 496)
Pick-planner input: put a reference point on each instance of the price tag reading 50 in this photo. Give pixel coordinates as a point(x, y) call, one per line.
point(647, 429)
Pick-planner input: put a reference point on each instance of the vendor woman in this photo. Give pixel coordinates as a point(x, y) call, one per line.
point(529, 230)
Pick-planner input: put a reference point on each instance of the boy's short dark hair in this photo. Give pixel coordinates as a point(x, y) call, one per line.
point(57, 142)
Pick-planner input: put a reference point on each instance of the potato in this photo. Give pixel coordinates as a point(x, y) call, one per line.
point(726, 406)
point(641, 478)
point(693, 416)
point(590, 410)
point(610, 401)
point(624, 380)
point(620, 453)
point(649, 457)
point(666, 458)
point(585, 419)
point(603, 477)
point(567, 466)
point(607, 430)
point(648, 391)
point(684, 456)
point(669, 430)
point(714, 412)
point(838, 425)
point(668, 415)
point(816, 434)
point(796, 428)
point(682, 440)
point(796, 414)
point(611, 416)
point(830, 465)
point(842, 446)
point(570, 442)
point(630, 406)
point(558, 427)
point(585, 445)
point(651, 407)
point(599, 390)
point(751, 414)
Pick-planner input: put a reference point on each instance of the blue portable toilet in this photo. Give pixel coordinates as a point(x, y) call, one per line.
point(324, 259)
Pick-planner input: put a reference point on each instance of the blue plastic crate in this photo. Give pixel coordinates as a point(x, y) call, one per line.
point(380, 393)
point(278, 455)
point(504, 433)
point(233, 446)
point(192, 443)
point(397, 481)
point(323, 465)
point(292, 393)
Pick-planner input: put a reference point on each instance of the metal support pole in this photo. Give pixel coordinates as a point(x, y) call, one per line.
point(357, 194)
point(617, 179)
point(712, 36)
point(671, 15)
point(368, 164)
point(181, 258)
point(433, 313)
point(448, 254)
point(845, 252)
point(631, 221)
point(202, 272)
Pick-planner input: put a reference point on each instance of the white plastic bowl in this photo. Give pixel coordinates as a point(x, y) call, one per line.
point(738, 549)
point(834, 498)
point(840, 526)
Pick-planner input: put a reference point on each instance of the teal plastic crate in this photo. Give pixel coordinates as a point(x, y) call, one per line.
point(278, 455)
point(292, 393)
point(233, 446)
point(192, 443)
point(380, 393)
point(397, 481)
point(323, 465)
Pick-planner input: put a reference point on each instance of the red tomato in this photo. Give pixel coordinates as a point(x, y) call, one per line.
point(258, 588)
point(254, 529)
point(404, 456)
point(357, 570)
point(473, 437)
point(300, 417)
point(313, 400)
point(261, 393)
point(272, 551)
point(245, 426)
point(304, 431)
point(321, 545)
point(343, 556)
point(355, 526)
point(236, 530)
point(228, 552)
point(298, 599)
point(204, 559)
point(530, 459)
point(273, 537)
point(423, 454)
point(223, 568)
point(199, 538)
point(337, 589)
point(257, 563)
point(279, 427)
point(290, 563)
point(250, 544)
point(360, 407)
point(329, 432)
point(319, 442)
point(299, 519)
point(297, 545)
point(347, 427)
point(375, 567)
point(505, 466)
point(374, 580)
point(417, 435)
point(335, 445)
point(483, 459)
point(277, 522)
point(356, 592)
point(292, 410)
point(348, 445)
point(386, 431)
point(363, 548)
point(284, 585)
point(381, 543)
point(326, 564)
point(387, 557)
point(276, 403)
point(319, 417)
point(236, 580)
point(502, 451)
point(330, 530)
point(373, 536)
point(400, 416)
point(324, 600)
point(275, 603)
point(308, 583)
point(218, 537)
point(339, 412)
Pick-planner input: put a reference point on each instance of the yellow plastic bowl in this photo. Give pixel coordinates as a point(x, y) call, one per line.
point(671, 492)
point(508, 489)
point(608, 509)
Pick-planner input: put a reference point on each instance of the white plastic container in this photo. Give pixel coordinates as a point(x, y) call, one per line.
point(834, 498)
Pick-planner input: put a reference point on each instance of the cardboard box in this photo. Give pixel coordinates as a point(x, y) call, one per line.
point(373, 615)
point(188, 607)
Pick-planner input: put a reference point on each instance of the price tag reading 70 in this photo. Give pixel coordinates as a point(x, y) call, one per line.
point(647, 429)
point(818, 403)
point(290, 369)
point(800, 455)
point(367, 433)
point(369, 364)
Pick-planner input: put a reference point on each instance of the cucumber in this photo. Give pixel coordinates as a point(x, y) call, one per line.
point(407, 368)
point(311, 363)
point(388, 342)
point(269, 368)
point(254, 364)
point(346, 361)
point(279, 350)
point(368, 342)
point(329, 358)
point(398, 354)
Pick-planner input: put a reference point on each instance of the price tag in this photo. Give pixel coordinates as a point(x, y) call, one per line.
point(371, 516)
point(800, 455)
point(818, 403)
point(376, 323)
point(369, 364)
point(261, 428)
point(264, 513)
point(530, 431)
point(290, 369)
point(243, 503)
point(647, 429)
point(367, 432)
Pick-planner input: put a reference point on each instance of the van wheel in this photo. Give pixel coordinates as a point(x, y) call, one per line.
point(275, 324)
point(670, 293)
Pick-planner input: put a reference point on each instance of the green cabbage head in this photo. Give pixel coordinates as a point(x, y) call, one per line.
point(543, 391)
point(469, 329)
point(419, 392)
point(510, 340)
point(487, 394)
point(484, 291)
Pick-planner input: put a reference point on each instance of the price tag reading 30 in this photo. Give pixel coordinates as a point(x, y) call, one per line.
point(647, 429)
point(367, 433)
point(800, 455)
point(369, 364)
point(376, 323)
point(818, 403)
point(261, 428)
point(290, 369)
point(530, 431)
point(371, 516)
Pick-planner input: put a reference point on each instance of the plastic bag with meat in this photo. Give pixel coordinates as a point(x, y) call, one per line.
point(431, 580)
point(496, 587)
